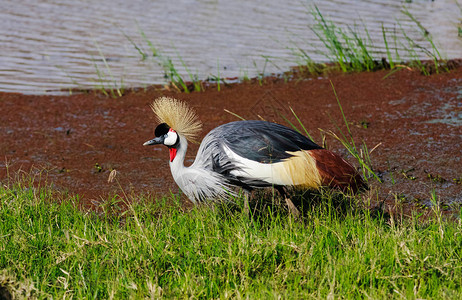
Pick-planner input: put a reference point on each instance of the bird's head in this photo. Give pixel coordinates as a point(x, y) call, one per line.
point(165, 136)
point(176, 120)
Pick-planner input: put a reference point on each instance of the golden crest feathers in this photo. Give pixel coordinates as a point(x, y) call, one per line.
point(178, 115)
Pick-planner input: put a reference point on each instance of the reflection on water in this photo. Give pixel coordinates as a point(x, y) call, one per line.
point(49, 45)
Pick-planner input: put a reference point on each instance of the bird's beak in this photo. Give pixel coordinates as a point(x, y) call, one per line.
point(155, 141)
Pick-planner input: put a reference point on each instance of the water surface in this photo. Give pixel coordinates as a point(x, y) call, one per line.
point(50, 45)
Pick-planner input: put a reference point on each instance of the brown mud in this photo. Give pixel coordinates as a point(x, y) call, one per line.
point(412, 121)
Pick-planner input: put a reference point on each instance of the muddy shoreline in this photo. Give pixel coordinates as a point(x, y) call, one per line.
point(412, 121)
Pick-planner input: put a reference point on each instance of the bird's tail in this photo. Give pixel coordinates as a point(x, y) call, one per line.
point(336, 172)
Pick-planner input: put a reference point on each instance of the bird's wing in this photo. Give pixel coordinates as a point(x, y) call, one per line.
point(233, 146)
point(263, 142)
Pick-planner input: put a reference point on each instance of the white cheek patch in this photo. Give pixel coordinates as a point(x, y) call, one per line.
point(171, 138)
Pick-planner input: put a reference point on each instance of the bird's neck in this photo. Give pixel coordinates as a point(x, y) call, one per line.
point(177, 165)
point(195, 181)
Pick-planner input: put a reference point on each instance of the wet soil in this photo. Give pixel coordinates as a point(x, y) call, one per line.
point(412, 121)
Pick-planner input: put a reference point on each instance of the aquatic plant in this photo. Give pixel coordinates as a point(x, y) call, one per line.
point(352, 49)
point(434, 54)
point(109, 87)
point(347, 48)
point(171, 73)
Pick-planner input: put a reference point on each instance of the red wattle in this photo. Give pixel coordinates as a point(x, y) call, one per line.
point(172, 153)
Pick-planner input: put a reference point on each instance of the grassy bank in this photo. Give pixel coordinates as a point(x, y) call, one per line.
point(155, 248)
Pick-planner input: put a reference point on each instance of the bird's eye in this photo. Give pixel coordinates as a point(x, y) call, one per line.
point(170, 138)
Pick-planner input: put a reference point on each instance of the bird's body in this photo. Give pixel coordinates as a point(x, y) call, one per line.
point(252, 154)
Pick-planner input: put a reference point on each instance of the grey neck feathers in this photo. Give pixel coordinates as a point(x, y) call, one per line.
point(197, 182)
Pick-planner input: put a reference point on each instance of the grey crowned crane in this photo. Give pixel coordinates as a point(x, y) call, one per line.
point(245, 154)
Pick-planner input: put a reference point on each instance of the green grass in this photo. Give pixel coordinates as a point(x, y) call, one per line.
point(433, 54)
point(52, 249)
point(171, 72)
point(351, 49)
point(107, 84)
point(360, 153)
point(347, 48)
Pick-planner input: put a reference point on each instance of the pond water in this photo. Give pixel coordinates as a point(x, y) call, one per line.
point(52, 45)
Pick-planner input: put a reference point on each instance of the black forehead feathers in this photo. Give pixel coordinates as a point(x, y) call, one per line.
point(161, 129)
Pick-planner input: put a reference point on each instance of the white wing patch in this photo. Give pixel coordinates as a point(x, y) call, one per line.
point(298, 170)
